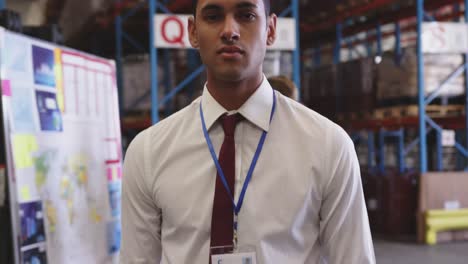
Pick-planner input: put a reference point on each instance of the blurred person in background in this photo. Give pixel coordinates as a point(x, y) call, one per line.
point(284, 85)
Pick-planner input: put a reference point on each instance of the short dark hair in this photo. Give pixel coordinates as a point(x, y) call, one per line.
point(266, 3)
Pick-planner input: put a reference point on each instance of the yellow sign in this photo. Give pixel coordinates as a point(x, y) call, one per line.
point(95, 216)
point(25, 193)
point(51, 214)
point(59, 78)
point(23, 146)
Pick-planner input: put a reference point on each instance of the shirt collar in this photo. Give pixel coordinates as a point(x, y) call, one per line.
point(256, 109)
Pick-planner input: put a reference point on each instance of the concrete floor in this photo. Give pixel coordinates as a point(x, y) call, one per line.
point(388, 252)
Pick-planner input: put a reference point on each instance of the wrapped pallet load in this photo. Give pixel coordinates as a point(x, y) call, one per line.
point(343, 88)
point(357, 85)
point(397, 80)
point(319, 91)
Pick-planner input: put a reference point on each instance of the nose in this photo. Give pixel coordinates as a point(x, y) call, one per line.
point(230, 31)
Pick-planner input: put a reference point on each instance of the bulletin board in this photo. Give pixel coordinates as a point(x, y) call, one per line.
point(63, 146)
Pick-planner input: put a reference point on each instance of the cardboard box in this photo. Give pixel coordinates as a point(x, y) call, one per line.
point(442, 190)
point(401, 80)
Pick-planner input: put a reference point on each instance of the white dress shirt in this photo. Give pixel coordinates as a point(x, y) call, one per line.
point(304, 203)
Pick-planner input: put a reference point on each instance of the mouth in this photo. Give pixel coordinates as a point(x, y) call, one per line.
point(230, 51)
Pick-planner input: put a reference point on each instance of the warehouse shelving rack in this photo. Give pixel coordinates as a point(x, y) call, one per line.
point(154, 6)
point(346, 37)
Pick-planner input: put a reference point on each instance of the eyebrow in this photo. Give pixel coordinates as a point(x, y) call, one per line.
point(211, 7)
point(245, 5)
point(215, 7)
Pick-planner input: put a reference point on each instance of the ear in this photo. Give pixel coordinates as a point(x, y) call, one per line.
point(192, 31)
point(271, 34)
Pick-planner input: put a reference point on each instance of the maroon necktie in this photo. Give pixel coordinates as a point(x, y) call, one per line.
point(223, 212)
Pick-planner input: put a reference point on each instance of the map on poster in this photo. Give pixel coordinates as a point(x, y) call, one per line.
point(64, 134)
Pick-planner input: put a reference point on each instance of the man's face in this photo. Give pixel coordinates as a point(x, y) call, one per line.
point(231, 36)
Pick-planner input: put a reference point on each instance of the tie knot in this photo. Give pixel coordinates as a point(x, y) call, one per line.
point(229, 123)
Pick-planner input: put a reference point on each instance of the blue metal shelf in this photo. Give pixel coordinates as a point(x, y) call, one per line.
point(425, 123)
point(423, 101)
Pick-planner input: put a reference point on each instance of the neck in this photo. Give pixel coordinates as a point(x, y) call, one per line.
point(233, 94)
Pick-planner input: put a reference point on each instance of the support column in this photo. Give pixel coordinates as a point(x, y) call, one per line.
point(154, 64)
point(421, 95)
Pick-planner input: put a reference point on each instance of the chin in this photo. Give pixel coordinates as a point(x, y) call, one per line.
point(230, 75)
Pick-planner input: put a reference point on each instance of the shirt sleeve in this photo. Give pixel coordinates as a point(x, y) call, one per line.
point(344, 225)
point(141, 218)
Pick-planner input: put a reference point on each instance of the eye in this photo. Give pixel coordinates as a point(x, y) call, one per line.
point(211, 17)
point(247, 16)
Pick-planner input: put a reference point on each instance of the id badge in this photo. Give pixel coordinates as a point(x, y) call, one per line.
point(235, 258)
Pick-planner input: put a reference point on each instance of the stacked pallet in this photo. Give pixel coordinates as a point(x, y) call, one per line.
point(357, 85)
point(397, 84)
point(391, 199)
point(397, 80)
point(320, 90)
point(412, 110)
point(344, 88)
point(137, 82)
point(361, 89)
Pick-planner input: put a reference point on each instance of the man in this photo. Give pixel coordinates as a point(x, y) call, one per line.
point(294, 174)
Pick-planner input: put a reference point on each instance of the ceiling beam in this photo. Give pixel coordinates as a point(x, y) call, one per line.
point(382, 17)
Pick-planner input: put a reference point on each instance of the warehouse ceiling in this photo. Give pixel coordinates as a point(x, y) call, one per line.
point(71, 15)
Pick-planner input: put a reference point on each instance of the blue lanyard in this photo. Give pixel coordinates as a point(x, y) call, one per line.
point(237, 207)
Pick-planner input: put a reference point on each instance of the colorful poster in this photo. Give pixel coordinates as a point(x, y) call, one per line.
point(6, 88)
point(115, 193)
point(35, 255)
point(15, 54)
point(82, 92)
point(70, 90)
point(49, 113)
point(43, 63)
point(75, 192)
point(99, 93)
point(32, 223)
point(113, 150)
point(70, 203)
point(23, 146)
point(113, 236)
point(59, 78)
point(92, 94)
point(22, 104)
